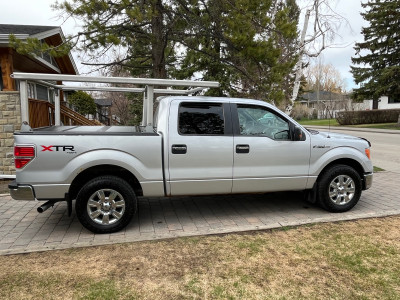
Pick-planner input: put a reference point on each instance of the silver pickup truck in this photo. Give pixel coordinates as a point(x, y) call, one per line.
point(199, 146)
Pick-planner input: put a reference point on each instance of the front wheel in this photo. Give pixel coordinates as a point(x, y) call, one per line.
point(339, 188)
point(106, 204)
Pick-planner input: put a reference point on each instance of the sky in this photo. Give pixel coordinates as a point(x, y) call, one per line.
point(39, 12)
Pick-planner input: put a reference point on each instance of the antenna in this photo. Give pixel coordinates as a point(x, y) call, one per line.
point(329, 123)
point(327, 107)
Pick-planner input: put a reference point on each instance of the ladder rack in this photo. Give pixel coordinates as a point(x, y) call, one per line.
point(148, 89)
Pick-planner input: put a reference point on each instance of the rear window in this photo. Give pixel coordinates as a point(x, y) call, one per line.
point(201, 119)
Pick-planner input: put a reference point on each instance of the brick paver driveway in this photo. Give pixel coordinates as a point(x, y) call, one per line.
point(22, 229)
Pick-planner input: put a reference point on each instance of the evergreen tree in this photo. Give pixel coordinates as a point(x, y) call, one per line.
point(248, 46)
point(82, 102)
point(379, 53)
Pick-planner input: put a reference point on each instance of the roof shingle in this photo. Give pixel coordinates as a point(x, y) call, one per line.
point(24, 29)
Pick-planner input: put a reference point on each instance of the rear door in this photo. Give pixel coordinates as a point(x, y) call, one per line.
point(265, 157)
point(200, 155)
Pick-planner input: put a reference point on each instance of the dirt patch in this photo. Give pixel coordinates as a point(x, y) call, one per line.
point(348, 260)
point(4, 186)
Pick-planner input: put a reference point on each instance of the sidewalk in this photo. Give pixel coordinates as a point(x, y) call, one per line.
point(23, 230)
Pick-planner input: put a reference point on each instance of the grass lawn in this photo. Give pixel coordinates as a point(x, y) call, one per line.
point(347, 260)
point(379, 126)
point(322, 122)
point(333, 122)
point(377, 169)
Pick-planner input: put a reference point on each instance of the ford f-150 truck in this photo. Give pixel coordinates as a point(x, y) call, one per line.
point(198, 146)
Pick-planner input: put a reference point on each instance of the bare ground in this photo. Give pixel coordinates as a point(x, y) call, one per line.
point(347, 260)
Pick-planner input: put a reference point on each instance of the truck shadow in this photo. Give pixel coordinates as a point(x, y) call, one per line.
point(206, 213)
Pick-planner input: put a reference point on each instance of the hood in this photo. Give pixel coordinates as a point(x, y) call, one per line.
point(338, 139)
point(334, 135)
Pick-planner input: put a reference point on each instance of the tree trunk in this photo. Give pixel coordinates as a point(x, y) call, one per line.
point(159, 42)
point(299, 65)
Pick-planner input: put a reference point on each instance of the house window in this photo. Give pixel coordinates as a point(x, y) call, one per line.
point(47, 57)
point(394, 99)
point(31, 90)
point(42, 92)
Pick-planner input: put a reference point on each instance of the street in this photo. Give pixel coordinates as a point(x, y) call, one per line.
point(385, 152)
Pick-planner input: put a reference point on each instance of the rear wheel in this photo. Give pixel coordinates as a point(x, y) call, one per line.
point(106, 204)
point(339, 188)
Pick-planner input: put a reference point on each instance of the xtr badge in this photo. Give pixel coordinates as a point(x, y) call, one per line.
point(63, 148)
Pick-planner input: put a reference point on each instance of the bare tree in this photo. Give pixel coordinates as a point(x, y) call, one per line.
point(319, 31)
point(324, 77)
point(121, 107)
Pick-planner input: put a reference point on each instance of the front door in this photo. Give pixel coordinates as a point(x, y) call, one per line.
point(266, 159)
point(200, 148)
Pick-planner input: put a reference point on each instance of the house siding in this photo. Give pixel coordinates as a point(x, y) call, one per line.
point(382, 104)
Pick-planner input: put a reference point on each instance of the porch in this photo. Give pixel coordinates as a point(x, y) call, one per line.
point(42, 113)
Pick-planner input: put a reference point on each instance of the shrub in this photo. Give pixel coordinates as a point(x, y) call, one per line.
point(368, 116)
point(300, 112)
point(82, 102)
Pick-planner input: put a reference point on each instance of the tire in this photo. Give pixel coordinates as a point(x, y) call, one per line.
point(106, 204)
point(339, 188)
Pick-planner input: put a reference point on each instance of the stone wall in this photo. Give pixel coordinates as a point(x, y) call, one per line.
point(10, 121)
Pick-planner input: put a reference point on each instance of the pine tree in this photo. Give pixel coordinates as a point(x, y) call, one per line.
point(379, 53)
point(246, 45)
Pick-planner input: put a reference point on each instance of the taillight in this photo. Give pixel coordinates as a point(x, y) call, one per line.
point(21, 162)
point(23, 155)
point(24, 151)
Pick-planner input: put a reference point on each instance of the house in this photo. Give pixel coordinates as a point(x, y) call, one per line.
point(11, 61)
point(103, 113)
point(326, 104)
point(384, 102)
point(40, 94)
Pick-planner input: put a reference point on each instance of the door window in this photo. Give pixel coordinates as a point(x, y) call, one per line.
point(258, 120)
point(201, 119)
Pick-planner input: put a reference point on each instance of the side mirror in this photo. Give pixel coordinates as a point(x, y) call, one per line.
point(298, 134)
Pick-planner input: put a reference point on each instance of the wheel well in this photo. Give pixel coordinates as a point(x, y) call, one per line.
point(348, 162)
point(100, 170)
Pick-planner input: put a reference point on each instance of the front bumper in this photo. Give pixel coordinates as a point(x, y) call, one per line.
point(21, 192)
point(368, 180)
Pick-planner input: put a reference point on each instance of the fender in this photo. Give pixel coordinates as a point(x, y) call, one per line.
point(339, 153)
point(149, 176)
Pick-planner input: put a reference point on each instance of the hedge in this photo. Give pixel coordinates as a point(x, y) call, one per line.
point(368, 116)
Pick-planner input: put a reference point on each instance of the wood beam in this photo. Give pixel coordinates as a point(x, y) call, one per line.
point(61, 92)
point(7, 68)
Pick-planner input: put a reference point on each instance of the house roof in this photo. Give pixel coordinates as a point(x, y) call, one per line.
point(323, 95)
point(52, 35)
point(103, 102)
point(24, 29)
